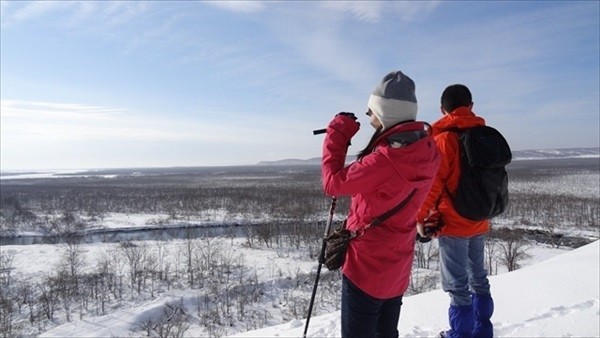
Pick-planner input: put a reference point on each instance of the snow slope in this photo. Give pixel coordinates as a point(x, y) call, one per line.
point(554, 298)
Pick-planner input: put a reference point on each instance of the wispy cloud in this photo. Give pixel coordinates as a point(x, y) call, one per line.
point(51, 134)
point(242, 6)
point(361, 10)
point(36, 9)
point(82, 14)
point(51, 121)
point(372, 11)
point(327, 44)
point(117, 13)
point(238, 75)
point(36, 110)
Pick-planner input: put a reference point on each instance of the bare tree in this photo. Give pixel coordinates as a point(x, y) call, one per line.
point(24, 292)
point(173, 321)
point(513, 249)
point(7, 258)
point(422, 281)
point(490, 254)
point(48, 297)
point(189, 252)
point(136, 255)
point(425, 253)
point(7, 314)
point(73, 259)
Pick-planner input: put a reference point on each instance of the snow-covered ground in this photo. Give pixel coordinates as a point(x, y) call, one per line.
point(554, 298)
point(556, 295)
point(62, 173)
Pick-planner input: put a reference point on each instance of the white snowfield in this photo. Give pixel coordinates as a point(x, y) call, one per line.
point(555, 298)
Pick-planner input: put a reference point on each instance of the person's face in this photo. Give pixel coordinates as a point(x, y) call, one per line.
point(374, 121)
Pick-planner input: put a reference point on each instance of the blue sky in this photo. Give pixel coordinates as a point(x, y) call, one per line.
point(103, 84)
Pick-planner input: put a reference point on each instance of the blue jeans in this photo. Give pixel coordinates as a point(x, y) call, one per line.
point(462, 268)
point(365, 316)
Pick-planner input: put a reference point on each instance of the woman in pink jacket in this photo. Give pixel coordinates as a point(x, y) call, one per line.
point(400, 157)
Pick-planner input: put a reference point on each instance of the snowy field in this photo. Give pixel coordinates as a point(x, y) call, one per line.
point(257, 282)
point(555, 296)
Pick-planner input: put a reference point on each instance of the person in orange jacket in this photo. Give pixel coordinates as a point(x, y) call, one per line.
point(400, 161)
point(461, 241)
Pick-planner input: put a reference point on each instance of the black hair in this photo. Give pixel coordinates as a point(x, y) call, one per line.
point(455, 96)
point(369, 148)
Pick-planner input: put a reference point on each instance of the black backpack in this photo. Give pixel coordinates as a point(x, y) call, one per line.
point(482, 191)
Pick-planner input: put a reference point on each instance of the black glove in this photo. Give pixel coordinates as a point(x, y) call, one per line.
point(432, 225)
point(422, 239)
point(351, 115)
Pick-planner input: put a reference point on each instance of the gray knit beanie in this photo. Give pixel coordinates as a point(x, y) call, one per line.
point(393, 100)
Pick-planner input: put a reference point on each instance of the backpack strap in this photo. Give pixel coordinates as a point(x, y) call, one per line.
point(389, 213)
point(455, 130)
point(461, 154)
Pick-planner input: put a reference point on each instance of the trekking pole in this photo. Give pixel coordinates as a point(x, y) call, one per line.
point(321, 255)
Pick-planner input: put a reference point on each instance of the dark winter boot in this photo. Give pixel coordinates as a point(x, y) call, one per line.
point(461, 322)
point(483, 308)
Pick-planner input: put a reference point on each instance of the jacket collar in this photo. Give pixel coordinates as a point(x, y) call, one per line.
point(404, 128)
point(460, 118)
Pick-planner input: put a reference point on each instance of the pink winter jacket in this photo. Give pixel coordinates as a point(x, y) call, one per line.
point(379, 262)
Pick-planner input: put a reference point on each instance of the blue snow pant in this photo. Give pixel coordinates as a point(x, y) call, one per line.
point(483, 308)
point(464, 277)
point(472, 321)
point(365, 316)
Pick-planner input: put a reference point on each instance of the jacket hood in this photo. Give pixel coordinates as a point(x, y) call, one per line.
point(417, 162)
point(460, 118)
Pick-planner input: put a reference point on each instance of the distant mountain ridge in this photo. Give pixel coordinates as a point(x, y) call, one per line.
point(539, 154)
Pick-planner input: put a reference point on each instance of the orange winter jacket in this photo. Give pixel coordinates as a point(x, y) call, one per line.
point(448, 176)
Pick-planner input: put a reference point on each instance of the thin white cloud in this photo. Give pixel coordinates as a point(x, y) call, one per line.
point(367, 11)
point(300, 63)
point(36, 9)
point(38, 110)
point(51, 121)
point(4, 10)
point(339, 39)
point(116, 13)
point(83, 14)
point(373, 11)
point(323, 45)
point(25, 121)
point(412, 10)
point(64, 135)
point(242, 6)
